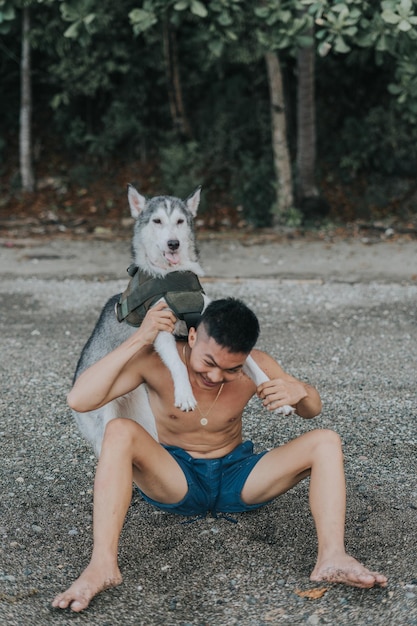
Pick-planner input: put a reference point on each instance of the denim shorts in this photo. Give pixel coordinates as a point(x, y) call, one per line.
point(214, 485)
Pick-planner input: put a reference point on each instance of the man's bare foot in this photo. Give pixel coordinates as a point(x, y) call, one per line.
point(347, 570)
point(93, 580)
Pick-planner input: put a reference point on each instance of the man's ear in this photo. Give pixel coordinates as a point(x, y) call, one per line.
point(192, 336)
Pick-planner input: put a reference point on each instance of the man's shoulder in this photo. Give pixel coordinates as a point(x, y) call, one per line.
point(266, 362)
point(260, 355)
point(145, 361)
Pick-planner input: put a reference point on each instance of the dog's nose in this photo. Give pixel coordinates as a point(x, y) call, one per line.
point(173, 244)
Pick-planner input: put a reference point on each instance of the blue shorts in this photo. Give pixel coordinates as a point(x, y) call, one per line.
point(214, 485)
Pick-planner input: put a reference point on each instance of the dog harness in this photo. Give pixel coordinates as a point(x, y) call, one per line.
point(181, 290)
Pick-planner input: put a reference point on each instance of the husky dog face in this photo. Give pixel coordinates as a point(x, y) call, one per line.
point(163, 239)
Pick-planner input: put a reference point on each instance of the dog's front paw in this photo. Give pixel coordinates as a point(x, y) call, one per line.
point(185, 400)
point(285, 410)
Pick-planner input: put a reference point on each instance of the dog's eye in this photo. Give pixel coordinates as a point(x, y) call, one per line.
point(157, 220)
point(180, 221)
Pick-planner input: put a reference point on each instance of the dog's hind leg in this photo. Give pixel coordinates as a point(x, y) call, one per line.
point(134, 405)
point(252, 369)
point(166, 347)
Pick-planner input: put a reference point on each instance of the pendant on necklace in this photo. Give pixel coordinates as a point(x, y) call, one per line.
point(203, 420)
point(204, 416)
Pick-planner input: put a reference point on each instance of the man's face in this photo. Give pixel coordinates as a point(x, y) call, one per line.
point(210, 363)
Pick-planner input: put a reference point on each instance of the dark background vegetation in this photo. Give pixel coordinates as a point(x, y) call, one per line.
point(101, 118)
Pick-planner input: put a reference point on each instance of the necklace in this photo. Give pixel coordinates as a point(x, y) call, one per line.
point(204, 416)
point(204, 420)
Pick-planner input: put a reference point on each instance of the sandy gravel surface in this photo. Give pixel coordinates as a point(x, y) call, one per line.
point(346, 260)
point(342, 316)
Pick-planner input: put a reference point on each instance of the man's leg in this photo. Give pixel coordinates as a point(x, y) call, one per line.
point(128, 453)
point(317, 454)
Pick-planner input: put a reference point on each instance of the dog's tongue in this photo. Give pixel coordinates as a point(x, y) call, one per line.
point(172, 257)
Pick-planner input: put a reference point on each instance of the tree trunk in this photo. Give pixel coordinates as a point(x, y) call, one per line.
point(25, 139)
point(306, 126)
point(282, 161)
point(176, 100)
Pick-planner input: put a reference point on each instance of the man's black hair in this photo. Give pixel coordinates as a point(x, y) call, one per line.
point(231, 324)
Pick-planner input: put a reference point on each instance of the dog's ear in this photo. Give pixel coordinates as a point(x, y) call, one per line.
point(136, 201)
point(193, 201)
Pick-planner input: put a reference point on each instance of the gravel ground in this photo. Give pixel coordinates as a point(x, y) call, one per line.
point(351, 333)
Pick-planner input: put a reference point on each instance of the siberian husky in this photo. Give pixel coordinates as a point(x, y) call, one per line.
point(163, 242)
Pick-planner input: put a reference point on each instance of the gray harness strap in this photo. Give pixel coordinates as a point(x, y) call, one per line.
point(181, 290)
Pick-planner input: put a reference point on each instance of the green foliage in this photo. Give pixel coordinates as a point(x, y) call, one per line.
point(197, 8)
point(142, 19)
point(252, 187)
point(400, 14)
point(98, 99)
point(389, 28)
point(218, 21)
point(181, 167)
point(405, 87)
point(282, 25)
point(389, 152)
point(343, 24)
point(83, 20)
point(9, 80)
point(232, 155)
point(118, 127)
point(100, 79)
point(292, 217)
point(7, 15)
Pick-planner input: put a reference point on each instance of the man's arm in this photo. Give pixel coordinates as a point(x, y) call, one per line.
point(282, 388)
point(121, 370)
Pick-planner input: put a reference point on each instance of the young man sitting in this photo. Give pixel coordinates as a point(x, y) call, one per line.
point(200, 463)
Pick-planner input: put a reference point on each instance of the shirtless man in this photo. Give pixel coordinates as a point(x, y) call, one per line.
point(206, 440)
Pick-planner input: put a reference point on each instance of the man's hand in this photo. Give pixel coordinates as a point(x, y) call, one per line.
point(279, 392)
point(117, 373)
point(158, 318)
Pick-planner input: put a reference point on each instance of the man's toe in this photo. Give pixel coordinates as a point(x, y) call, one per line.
point(78, 606)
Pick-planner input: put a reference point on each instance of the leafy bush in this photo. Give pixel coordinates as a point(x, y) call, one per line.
point(381, 141)
point(181, 168)
point(252, 187)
